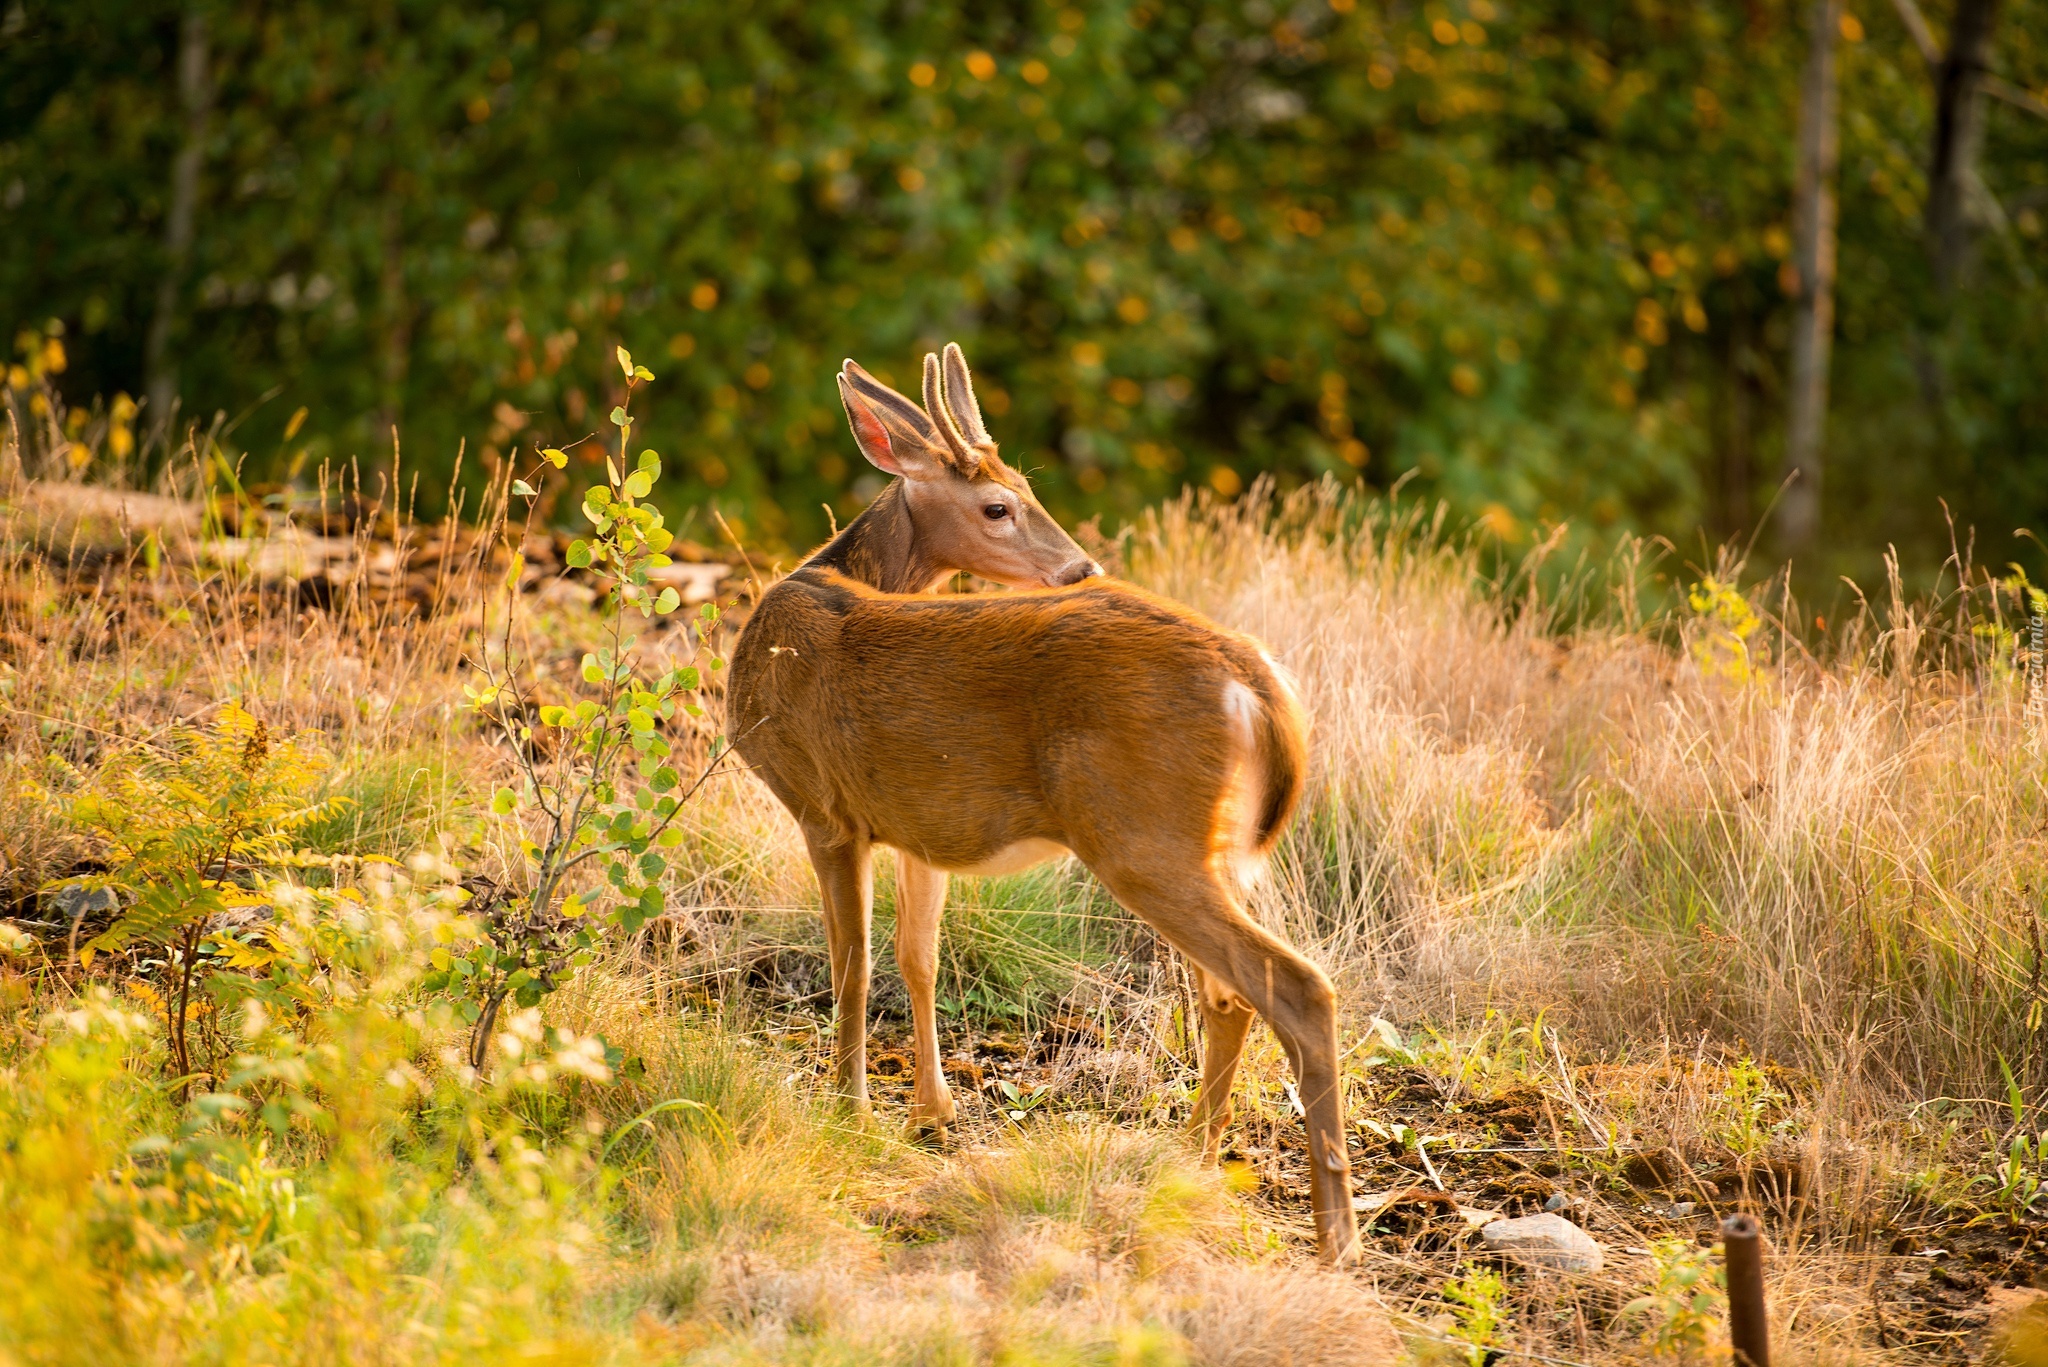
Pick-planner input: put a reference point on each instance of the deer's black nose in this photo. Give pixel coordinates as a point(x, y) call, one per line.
point(1076, 572)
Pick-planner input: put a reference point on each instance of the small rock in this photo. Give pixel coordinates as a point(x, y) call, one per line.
point(1558, 1201)
point(1681, 1209)
point(696, 583)
point(75, 902)
point(1548, 1241)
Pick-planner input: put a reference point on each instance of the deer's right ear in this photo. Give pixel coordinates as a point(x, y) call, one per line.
point(868, 432)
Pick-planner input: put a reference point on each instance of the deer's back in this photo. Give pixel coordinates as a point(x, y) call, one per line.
point(959, 726)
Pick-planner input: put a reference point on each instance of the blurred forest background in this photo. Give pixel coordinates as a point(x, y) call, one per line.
point(1542, 259)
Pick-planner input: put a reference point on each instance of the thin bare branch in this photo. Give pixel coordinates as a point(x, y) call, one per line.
point(2013, 95)
point(1916, 25)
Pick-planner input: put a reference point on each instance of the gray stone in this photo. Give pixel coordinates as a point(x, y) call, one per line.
point(74, 901)
point(1547, 1241)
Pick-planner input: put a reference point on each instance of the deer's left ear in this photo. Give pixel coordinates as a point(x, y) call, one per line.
point(868, 433)
point(892, 432)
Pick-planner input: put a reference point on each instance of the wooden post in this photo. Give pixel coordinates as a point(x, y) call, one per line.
point(1749, 1326)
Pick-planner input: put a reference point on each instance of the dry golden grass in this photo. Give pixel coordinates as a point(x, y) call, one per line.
point(1834, 863)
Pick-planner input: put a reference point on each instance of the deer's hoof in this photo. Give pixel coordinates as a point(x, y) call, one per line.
point(932, 1116)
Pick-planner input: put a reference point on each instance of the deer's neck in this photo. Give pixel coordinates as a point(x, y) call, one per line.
point(881, 548)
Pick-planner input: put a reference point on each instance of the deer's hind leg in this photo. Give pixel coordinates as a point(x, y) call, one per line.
point(920, 899)
point(846, 886)
point(1198, 914)
point(1225, 1020)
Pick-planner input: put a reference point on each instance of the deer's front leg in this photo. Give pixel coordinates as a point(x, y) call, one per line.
point(846, 885)
point(920, 898)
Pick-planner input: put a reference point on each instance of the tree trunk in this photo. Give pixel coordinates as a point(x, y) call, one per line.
point(1953, 194)
point(1814, 261)
point(1738, 445)
point(195, 97)
point(395, 344)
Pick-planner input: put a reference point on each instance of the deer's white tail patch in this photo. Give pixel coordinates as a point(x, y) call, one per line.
point(1236, 823)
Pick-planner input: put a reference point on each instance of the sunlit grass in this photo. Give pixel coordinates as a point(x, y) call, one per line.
point(396, 800)
point(1732, 916)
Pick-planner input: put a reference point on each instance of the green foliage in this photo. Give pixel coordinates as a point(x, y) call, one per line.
point(1477, 1298)
point(392, 802)
point(586, 804)
point(1499, 1051)
point(1751, 1110)
point(1685, 1303)
point(1532, 255)
point(185, 829)
point(273, 1217)
point(2019, 1180)
point(1723, 623)
point(1019, 1102)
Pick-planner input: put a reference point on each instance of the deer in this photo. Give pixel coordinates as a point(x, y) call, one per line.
point(983, 733)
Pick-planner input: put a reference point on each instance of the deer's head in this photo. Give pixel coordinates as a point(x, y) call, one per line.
point(971, 512)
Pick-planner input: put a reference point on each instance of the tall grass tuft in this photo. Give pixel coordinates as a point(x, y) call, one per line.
point(1838, 859)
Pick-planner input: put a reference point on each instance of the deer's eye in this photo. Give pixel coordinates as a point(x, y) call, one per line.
point(995, 512)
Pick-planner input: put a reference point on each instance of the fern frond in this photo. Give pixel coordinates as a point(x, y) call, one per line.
point(302, 817)
point(242, 955)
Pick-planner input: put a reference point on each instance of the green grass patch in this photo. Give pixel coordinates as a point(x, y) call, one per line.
point(396, 801)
